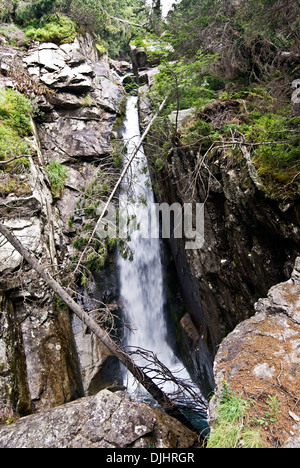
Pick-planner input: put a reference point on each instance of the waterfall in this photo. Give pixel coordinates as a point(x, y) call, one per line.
point(165, 4)
point(142, 277)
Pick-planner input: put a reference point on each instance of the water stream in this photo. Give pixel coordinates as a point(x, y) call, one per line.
point(142, 276)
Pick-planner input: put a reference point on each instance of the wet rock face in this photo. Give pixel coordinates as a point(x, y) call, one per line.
point(108, 420)
point(261, 357)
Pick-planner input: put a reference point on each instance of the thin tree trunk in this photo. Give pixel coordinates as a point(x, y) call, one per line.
point(118, 184)
point(168, 405)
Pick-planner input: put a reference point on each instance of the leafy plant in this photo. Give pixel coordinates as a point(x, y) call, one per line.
point(15, 124)
point(272, 414)
point(11, 144)
point(185, 83)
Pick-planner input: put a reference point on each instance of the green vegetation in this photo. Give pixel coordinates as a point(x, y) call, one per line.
point(158, 49)
point(88, 205)
point(240, 422)
point(57, 174)
point(241, 94)
point(34, 10)
point(14, 35)
point(113, 23)
point(272, 413)
point(102, 18)
point(15, 112)
point(15, 125)
point(234, 427)
point(186, 83)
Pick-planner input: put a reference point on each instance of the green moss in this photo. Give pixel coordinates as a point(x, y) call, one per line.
point(58, 304)
point(80, 242)
point(95, 261)
point(13, 185)
point(101, 49)
point(11, 144)
point(15, 125)
point(87, 101)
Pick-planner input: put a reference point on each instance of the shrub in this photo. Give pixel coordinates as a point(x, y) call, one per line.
point(15, 123)
point(186, 83)
point(11, 144)
point(57, 174)
point(27, 11)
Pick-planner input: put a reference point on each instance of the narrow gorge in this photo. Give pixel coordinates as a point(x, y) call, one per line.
point(210, 325)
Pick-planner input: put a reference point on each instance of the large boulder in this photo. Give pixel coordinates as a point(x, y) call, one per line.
point(261, 359)
point(107, 420)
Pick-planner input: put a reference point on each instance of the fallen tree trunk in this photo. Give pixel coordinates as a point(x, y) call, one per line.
point(166, 403)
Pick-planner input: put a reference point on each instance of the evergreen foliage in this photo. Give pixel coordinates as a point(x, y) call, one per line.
point(34, 10)
point(112, 22)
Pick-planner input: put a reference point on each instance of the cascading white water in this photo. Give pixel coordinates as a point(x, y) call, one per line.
point(141, 280)
point(165, 4)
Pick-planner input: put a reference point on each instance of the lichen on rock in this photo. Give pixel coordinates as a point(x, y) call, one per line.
point(260, 359)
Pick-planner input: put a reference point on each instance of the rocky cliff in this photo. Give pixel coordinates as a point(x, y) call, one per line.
point(252, 237)
point(47, 359)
